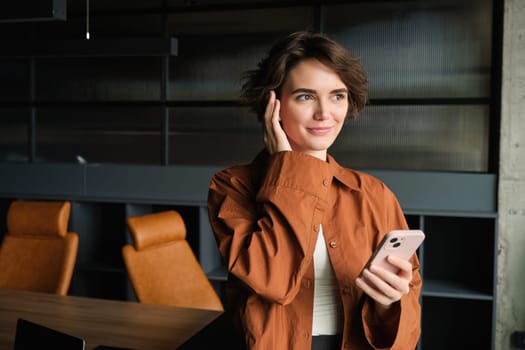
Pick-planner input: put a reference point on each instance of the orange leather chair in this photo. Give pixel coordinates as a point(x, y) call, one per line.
point(38, 253)
point(161, 265)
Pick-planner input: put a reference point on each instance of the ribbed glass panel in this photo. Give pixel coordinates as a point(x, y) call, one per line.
point(100, 25)
point(425, 49)
point(209, 68)
point(98, 79)
point(215, 136)
point(14, 134)
point(216, 47)
point(248, 21)
point(418, 49)
point(452, 138)
point(99, 135)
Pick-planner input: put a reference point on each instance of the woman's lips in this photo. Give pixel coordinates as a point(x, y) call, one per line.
point(320, 131)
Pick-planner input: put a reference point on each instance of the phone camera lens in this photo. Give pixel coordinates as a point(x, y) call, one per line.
point(393, 240)
point(397, 244)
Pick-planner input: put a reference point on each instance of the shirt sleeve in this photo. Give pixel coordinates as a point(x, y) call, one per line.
point(405, 324)
point(267, 235)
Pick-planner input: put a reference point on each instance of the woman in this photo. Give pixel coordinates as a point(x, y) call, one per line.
point(295, 228)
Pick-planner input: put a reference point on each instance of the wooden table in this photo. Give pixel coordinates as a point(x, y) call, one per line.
point(102, 322)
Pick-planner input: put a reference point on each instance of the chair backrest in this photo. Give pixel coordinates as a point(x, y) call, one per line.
point(161, 265)
point(38, 253)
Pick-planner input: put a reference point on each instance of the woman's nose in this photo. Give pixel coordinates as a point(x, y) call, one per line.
point(321, 111)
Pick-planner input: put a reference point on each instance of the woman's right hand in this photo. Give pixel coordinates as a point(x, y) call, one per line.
point(275, 138)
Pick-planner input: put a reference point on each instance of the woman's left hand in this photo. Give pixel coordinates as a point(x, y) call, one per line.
point(386, 287)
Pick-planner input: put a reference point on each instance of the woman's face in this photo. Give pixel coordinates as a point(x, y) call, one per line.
point(314, 105)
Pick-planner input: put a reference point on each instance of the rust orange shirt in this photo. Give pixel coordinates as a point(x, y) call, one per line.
point(266, 217)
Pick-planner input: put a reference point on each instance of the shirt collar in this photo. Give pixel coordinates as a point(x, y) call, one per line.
point(348, 177)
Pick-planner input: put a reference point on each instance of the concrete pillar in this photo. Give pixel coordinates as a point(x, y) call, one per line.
point(510, 315)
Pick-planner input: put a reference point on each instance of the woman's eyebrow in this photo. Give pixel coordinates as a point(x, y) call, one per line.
point(312, 91)
point(304, 90)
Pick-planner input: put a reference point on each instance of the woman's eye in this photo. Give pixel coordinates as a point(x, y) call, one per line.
point(339, 97)
point(305, 97)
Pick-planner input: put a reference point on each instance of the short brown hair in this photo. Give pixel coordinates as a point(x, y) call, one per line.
point(286, 53)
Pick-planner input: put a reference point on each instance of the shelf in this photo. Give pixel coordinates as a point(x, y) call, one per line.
point(208, 6)
point(448, 289)
point(118, 103)
point(125, 46)
point(441, 191)
point(449, 213)
point(188, 185)
point(228, 103)
point(33, 11)
point(431, 288)
point(428, 101)
point(173, 185)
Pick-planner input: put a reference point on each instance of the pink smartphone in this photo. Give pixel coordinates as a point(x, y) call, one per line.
point(402, 243)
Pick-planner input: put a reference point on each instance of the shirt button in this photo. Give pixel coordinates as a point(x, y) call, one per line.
point(346, 290)
point(316, 228)
point(326, 182)
point(333, 244)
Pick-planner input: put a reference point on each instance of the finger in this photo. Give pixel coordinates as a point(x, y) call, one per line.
point(373, 289)
point(372, 292)
point(404, 273)
point(403, 264)
point(277, 128)
point(383, 285)
point(276, 116)
point(268, 112)
point(269, 137)
point(280, 139)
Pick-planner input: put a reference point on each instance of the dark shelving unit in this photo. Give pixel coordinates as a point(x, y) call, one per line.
point(151, 102)
point(458, 257)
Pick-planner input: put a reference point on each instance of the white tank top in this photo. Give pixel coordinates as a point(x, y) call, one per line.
point(328, 310)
